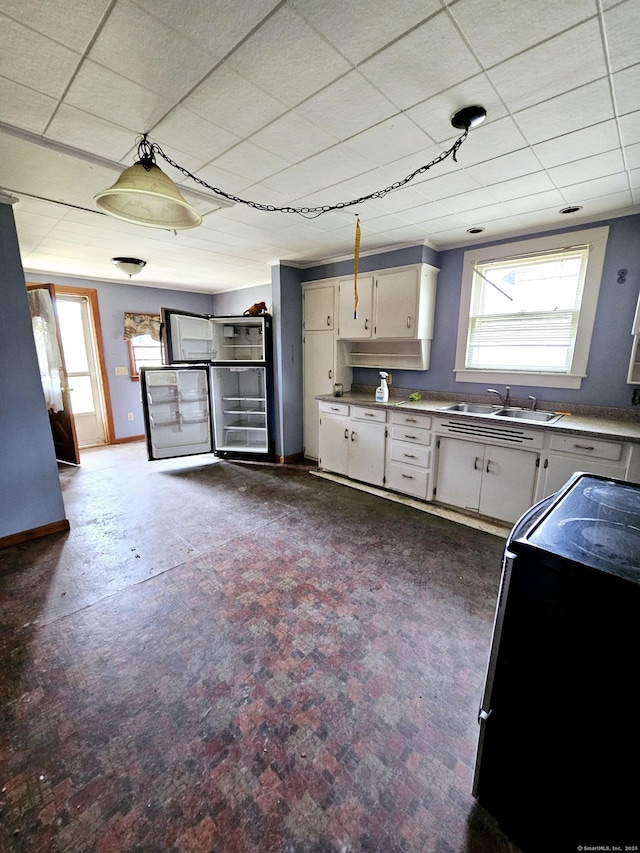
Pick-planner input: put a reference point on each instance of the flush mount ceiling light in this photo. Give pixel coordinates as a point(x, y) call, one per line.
point(572, 208)
point(475, 230)
point(143, 194)
point(129, 266)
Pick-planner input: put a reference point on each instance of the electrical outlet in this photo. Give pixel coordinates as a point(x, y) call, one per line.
point(130, 416)
point(122, 371)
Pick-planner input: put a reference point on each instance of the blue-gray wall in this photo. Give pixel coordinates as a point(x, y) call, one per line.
point(113, 301)
point(30, 494)
point(287, 328)
point(236, 302)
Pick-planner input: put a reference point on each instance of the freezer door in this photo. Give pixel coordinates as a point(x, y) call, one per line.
point(197, 338)
point(177, 411)
point(241, 410)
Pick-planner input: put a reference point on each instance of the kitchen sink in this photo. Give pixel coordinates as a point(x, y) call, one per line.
point(509, 412)
point(528, 415)
point(472, 408)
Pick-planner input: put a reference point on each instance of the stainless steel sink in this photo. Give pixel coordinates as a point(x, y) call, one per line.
point(471, 408)
point(528, 415)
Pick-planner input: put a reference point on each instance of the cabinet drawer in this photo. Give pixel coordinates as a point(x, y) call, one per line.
point(411, 434)
point(375, 415)
point(410, 454)
point(337, 409)
point(586, 446)
point(409, 480)
point(411, 420)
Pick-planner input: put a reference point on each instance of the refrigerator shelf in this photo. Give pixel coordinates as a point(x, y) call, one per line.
point(238, 425)
point(196, 418)
point(158, 399)
point(241, 399)
point(172, 421)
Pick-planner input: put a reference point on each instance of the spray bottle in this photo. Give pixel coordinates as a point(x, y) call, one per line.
point(382, 391)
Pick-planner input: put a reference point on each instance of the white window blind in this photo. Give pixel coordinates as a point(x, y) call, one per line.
point(525, 311)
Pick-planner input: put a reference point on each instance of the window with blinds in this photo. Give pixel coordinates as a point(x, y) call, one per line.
point(527, 309)
point(524, 312)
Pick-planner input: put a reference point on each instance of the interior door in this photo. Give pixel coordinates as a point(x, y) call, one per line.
point(63, 427)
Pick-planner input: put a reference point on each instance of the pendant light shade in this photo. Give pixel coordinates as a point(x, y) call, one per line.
point(144, 195)
point(129, 266)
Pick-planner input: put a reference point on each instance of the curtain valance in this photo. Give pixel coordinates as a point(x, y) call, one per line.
point(141, 324)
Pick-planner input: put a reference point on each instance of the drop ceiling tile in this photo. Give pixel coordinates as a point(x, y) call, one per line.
point(89, 133)
point(597, 166)
point(539, 201)
point(140, 47)
point(550, 69)
point(489, 141)
point(622, 29)
point(632, 155)
point(347, 106)
point(568, 147)
point(217, 25)
point(360, 29)
point(468, 200)
point(249, 161)
point(434, 114)
point(630, 127)
point(513, 165)
point(520, 25)
point(426, 61)
point(21, 53)
point(109, 96)
point(194, 135)
point(580, 108)
point(306, 63)
point(634, 177)
point(322, 170)
point(69, 22)
point(437, 226)
point(445, 186)
point(536, 182)
point(626, 88)
point(293, 136)
point(214, 175)
point(484, 215)
point(390, 140)
point(234, 103)
point(425, 212)
point(25, 108)
point(598, 187)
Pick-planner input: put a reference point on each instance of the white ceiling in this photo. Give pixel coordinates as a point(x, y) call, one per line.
point(312, 102)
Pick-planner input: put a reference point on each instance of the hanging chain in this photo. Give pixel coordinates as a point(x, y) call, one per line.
point(147, 149)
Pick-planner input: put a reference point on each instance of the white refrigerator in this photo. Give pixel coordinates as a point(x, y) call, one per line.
point(216, 393)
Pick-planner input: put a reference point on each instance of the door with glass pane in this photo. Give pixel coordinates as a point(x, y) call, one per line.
point(82, 370)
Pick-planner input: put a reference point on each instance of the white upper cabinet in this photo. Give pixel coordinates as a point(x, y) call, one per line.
point(357, 327)
point(393, 304)
point(319, 308)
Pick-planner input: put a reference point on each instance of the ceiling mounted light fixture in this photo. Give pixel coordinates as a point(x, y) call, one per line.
point(572, 208)
point(143, 194)
point(129, 266)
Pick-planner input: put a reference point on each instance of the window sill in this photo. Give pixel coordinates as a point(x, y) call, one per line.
point(533, 380)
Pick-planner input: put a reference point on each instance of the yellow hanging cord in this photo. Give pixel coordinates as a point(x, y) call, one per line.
point(356, 259)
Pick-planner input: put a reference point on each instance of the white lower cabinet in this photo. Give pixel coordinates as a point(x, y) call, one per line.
point(571, 453)
point(409, 455)
point(352, 441)
point(495, 481)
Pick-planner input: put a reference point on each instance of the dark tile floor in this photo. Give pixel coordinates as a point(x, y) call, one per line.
point(231, 657)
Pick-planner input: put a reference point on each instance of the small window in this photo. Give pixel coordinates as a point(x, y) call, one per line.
point(143, 352)
point(527, 310)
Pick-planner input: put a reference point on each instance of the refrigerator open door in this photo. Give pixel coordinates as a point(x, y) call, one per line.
point(176, 405)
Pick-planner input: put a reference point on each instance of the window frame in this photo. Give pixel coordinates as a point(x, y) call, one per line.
point(596, 239)
point(134, 375)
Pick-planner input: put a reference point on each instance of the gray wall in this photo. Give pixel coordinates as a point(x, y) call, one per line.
point(30, 494)
point(114, 300)
point(238, 301)
point(287, 326)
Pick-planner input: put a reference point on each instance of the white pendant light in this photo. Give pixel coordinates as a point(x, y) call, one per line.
point(144, 195)
point(129, 266)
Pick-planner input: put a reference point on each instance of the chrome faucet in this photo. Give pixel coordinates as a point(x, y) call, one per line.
point(534, 403)
point(506, 399)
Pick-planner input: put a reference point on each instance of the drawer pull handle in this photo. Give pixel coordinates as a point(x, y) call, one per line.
point(352, 434)
point(335, 409)
point(410, 420)
point(369, 415)
point(407, 476)
point(412, 437)
point(409, 455)
point(584, 446)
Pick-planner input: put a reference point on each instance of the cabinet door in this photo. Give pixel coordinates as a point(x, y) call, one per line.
point(508, 482)
point(396, 304)
point(351, 327)
point(318, 379)
point(366, 452)
point(333, 442)
point(460, 466)
point(560, 468)
point(319, 308)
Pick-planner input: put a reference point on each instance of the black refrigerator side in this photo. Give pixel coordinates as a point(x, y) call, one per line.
point(176, 407)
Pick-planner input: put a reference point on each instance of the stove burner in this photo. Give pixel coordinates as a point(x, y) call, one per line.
point(622, 498)
point(613, 545)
